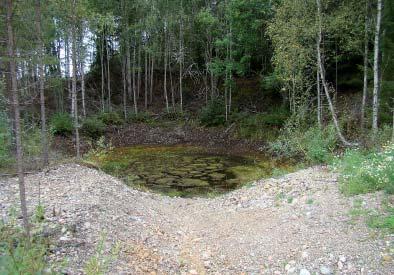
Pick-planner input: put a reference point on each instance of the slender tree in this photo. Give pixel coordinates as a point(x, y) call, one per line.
point(41, 73)
point(74, 24)
point(13, 89)
point(366, 52)
point(376, 69)
point(323, 77)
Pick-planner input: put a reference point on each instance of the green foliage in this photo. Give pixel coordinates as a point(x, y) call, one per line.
point(18, 254)
point(140, 117)
point(99, 263)
point(260, 126)
point(5, 141)
point(61, 124)
point(213, 114)
point(314, 145)
point(110, 118)
point(382, 221)
point(175, 115)
point(363, 172)
point(31, 141)
point(93, 127)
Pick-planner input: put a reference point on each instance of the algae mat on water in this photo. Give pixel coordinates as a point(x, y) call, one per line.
point(184, 171)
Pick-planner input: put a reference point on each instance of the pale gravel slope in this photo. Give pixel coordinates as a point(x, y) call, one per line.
point(266, 228)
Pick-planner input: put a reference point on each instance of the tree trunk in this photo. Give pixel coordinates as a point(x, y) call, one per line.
point(323, 79)
point(15, 104)
point(151, 78)
point(108, 79)
point(102, 74)
point(319, 116)
point(181, 61)
point(134, 86)
point(74, 79)
point(44, 139)
point(83, 87)
point(139, 73)
point(376, 70)
point(124, 62)
point(165, 70)
point(365, 87)
point(81, 57)
point(146, 81)
point(67, 72)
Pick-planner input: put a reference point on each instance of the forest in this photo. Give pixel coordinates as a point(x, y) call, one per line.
point(195, 100)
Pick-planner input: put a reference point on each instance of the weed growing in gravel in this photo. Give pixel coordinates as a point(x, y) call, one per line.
point(99, 263)
point(19, 254)
point(309, 201)
point(382, 219)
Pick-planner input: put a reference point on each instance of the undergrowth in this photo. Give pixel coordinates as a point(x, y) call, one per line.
point(363, 171)
point(22, 255)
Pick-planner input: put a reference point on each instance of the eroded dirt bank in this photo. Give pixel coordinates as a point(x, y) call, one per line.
point(297, 223)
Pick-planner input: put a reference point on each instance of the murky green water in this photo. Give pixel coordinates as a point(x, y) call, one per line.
point(184, 171)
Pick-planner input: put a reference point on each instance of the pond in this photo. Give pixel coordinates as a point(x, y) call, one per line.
point(184, 171)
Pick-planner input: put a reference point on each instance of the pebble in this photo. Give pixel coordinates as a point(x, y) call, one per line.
point(325, 270)
point(304, 271)
point(340, 265)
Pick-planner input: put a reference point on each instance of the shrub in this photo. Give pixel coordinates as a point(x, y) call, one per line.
point(141, 117)
point(363, 172)
point(110, 118)
point(93, 127)
point(314, 145)
point(20, 255)
point(256, 126)
point(61, 124)
point(213, 114)
point(174, 115)
point(5, 140)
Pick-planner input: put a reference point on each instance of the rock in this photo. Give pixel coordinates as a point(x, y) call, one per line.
point(304, 271)
point(340, 265)
point(189, 182)
point(217, 176)
point(325, 270)
point(291, 270)
point(193, 271)
point(165, 181)
point(64, 238)
point(304, 255)
point(386, 258)
point(342, 258)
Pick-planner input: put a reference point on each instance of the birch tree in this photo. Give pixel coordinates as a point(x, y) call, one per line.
point(377, 69)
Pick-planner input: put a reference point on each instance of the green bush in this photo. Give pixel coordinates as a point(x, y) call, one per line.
point(314, 145)
point(93, 127)
point(61, 124)
point(213, 114)
point(174, 115)
point(110, 118)
point(31, 141)
point(20, 255)
point(363, 172)
point(5, 141)
point(260, 126)
point(141, 117)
